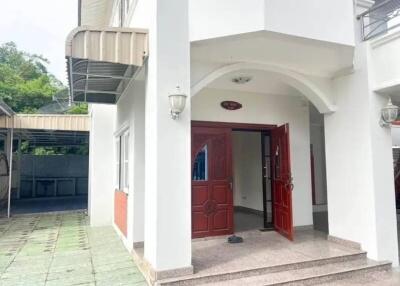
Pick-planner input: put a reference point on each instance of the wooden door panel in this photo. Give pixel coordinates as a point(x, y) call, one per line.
point(200, 195)
point(201, 222)
point(219, 155)
point(287, 198)
point(220, 194)
point(212, 198)
point(282, 181)
point(220, 220)
point(277, 218)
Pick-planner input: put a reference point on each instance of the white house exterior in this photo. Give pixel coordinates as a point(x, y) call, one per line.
point(300, 64)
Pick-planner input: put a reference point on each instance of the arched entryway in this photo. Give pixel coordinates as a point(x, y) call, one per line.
point(270, 97)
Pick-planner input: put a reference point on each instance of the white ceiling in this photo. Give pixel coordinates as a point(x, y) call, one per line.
point(261, 82)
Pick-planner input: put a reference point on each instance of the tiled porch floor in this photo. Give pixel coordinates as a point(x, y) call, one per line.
point(61, 249)
point(262, 249)
point(214, 256)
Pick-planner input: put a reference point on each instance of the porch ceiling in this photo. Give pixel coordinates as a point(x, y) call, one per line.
point(306, 56)
point(101, 62)
point(261, 82)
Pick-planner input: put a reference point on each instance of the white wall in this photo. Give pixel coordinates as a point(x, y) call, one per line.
point(385, 65)
point(247, 170)
point(101, 158)
point(269, 109)
point(359, 165)
point(211, 19)
point(323, 20)
point(130, 116)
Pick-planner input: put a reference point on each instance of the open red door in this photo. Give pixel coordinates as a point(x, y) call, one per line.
point(282, 181)
point(212, 197)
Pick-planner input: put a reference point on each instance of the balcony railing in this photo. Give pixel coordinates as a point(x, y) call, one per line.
point(380, 19)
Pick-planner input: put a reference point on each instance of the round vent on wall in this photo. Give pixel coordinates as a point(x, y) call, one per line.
point(231, 105)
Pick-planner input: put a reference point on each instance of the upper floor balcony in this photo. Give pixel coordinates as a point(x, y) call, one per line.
point(382, 18)
point(381, 29)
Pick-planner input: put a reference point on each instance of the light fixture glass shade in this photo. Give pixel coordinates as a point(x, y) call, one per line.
point(390, 112)
point(177, 104)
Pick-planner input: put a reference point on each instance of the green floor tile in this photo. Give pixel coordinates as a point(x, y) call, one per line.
point(63, 250)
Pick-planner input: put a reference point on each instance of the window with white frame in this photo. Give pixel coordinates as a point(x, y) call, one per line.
point(122, 161)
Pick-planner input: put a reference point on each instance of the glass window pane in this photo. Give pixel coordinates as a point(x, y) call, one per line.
point(117, 162)
point(126, 175)
point(126, 160)
point(200, 168)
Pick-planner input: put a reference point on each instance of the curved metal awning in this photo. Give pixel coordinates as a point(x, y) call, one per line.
point(102, 61)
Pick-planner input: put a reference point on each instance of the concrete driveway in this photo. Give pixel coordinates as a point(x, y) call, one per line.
point(61, 249)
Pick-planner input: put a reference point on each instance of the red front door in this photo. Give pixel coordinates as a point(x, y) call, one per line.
point(212, 198)
point(282, 181)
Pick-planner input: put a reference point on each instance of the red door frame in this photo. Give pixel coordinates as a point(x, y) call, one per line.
point(240, 127)
point(234, 126)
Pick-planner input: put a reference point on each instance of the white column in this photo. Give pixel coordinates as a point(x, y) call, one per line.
point(139, 162)
point(167, 178)
point(361, 196)
point(101, 162)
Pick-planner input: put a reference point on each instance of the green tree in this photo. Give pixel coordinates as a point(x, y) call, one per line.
point(80, 108)
point(25, 83)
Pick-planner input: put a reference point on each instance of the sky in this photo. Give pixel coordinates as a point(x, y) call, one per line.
point(40, 27)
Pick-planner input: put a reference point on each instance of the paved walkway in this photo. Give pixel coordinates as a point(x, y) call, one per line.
point(61, 249)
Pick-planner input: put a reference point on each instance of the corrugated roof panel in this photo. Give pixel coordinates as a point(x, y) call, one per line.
point(102, 61)
point(47, 122)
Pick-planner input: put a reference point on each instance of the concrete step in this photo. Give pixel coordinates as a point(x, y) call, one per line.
point(317, 275)
point(351, 262)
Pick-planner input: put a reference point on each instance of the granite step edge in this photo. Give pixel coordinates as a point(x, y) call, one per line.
point(304, 279)
point(218, 277)
point(336, 275)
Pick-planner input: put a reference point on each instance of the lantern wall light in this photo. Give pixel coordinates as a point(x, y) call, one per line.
point(177, 102)
point(389, 114)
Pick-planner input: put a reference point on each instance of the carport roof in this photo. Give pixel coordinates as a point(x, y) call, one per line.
point(5, 109)
point(48, 138)
point(65, 122)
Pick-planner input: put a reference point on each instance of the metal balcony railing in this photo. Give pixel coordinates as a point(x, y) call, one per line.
point(380, 19)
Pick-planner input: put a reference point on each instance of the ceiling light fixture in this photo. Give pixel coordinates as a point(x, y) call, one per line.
point(241, 79)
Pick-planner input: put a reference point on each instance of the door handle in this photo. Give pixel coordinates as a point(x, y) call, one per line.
point(289, 184)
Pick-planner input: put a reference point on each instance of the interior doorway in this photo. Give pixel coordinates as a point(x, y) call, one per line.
point(252, 180)
point(241, 179)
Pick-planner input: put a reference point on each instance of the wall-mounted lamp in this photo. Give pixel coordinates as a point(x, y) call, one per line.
point(389, 114)
point(177, 102)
